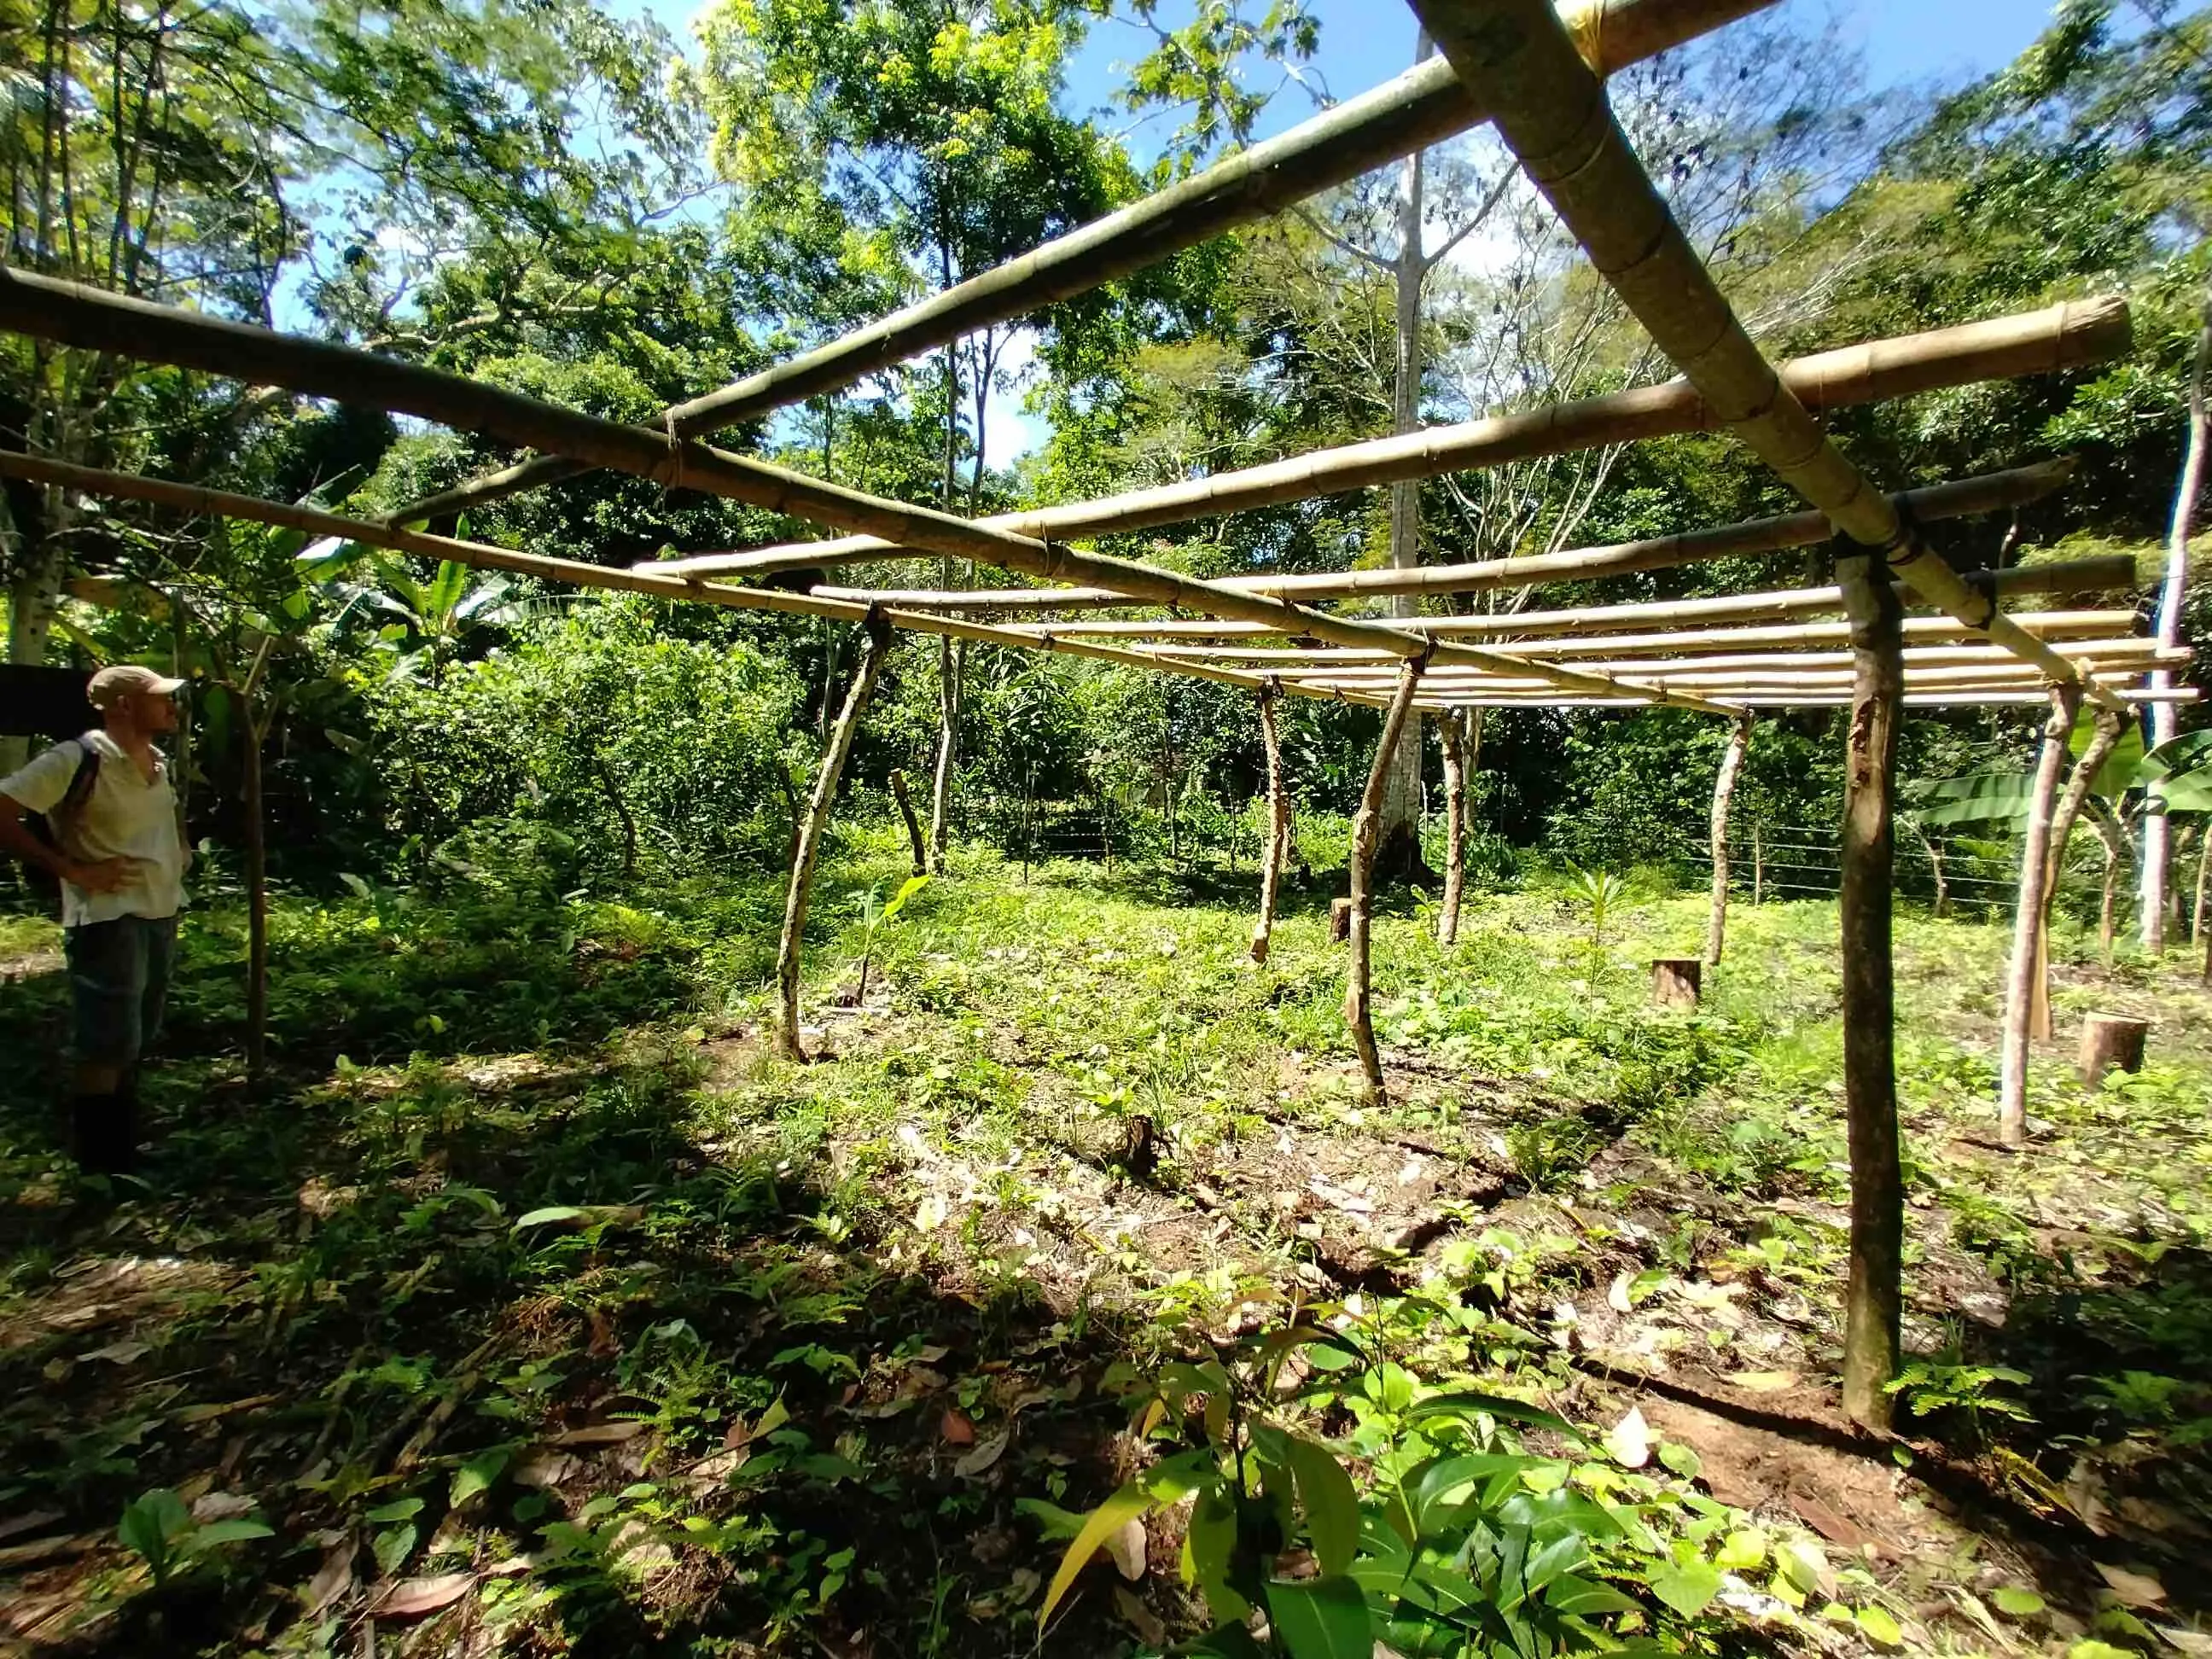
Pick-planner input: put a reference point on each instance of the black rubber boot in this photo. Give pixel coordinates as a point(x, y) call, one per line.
point(106, 1133)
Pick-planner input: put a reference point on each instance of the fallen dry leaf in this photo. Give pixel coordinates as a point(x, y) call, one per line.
point(985, 1453)
point(221, 1506)
point(332, 1579)
point(1836, 1527)
point(956, 1430)
point(120, 1353)
point(2137, 1590)
point(410, 1598)
point(600, 1434)
point(15, 1525)
point(1127, 1544)
point(1140, 1618)
point(1763, 1381)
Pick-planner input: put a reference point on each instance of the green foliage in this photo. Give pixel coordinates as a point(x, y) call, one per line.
point(158, 1529)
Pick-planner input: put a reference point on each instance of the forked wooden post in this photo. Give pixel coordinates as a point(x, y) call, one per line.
point(1365, 831)
point(2028, 919)
point(1874, 1298)
point(1452, 728)
point(787, 1044)
point(1278, 820)
point(2104, 737)
point(1724, 789)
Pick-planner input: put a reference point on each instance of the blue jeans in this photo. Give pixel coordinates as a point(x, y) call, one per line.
point(119, 977)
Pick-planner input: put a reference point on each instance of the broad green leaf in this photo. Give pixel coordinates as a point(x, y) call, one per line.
point(913, 884)
point(2016, 1603)
point(1743, 1551)
point(1331, 1504)
point(1468, 1402)
point(1053, 1521)
point(1878, 1624)
point(1110, 1516)
point(1688, 1589)
point(1322, 1619)
point(1983, 798)
point(2121, 768)
point(476, 1475)
point(550, 1214)
point(1552, 1557)
point(1582, 1598)
point(1207, 1549)
point(406, 1509)
point(230, 1532)
point(149, 1524)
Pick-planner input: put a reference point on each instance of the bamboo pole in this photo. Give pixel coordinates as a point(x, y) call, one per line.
point(2071, 577)
point(2027, 921)
point(1986, 493)
point(1552, 114)
point(2004, 348)
point(1723, 790)
point(1452, 731)
point(90, 318)
point(788, 1044)
point(1420, 108)
point(2105, 656)
point(1279, 822)
point(1358, 1010)
point(1874, 1292)
point(1759, 697)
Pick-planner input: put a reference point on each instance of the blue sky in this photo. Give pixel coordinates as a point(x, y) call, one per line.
point(1905, 43)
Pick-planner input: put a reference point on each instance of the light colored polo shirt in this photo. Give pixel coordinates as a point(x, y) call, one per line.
point(124, 816)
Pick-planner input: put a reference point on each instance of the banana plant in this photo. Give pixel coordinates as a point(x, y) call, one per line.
point(874, 914)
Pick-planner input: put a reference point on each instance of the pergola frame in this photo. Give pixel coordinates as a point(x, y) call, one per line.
point(1536, 76)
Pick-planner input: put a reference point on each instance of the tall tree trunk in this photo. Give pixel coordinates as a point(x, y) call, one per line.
point(2104, 738)
point(809, 836)
point(1723, 790)
point(1279, 822)
point(1452, 729)
point(1398, 847)
point(1358, 1011)
point(913, 829)
point(950, 654)
point(2027, 921)
point(2203, 869)
point(1874, 1297)
point(255, 731)
point(2157, 841)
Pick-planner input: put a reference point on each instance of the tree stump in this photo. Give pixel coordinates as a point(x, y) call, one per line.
point(1677, 980)
point(1340, 920)
point(2109, 1039)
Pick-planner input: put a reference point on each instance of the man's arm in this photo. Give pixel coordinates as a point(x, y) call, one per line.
point(104, 876)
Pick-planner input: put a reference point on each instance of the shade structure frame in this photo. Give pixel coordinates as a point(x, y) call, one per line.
point(1424, 105)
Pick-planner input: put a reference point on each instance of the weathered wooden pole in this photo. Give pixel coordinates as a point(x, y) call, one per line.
point(810, 835)
point(1758, 864)
point(1873, 1296)
point(913, 825)
point(1358, 1011)
point(1278, 821)
point(2104, 737)
point(2027, 921)
point(1451, 727)
point(1724, 789)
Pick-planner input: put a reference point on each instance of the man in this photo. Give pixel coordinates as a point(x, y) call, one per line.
point(121, 864)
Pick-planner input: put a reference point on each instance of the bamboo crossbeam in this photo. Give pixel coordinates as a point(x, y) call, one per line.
point(2073, 626)
point(2134, 696)
point(1423, 106)
point(1989, 493)
point(2004, 348)
point(2103, 652)
point(2104, 574)
point(91, 318)
point(1554, 117)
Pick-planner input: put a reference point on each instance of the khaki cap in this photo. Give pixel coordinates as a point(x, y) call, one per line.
point(111, 685)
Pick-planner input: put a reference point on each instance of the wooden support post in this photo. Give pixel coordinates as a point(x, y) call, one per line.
point(1723, 788)
point(2104, 738)
point(2027, 921)
point(1452, 729)
point(1278, 821)
point(1365, 831)
point(1758, 864)
point(1340, 920)
point(840, 745)
point(913, 825)
point(2109, 1039)
point(1874, 1297)
point(1676, 981)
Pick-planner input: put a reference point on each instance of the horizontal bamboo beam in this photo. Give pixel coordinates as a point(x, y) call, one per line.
point(45, 308)
point(2003, 348)
point(1989, 493)
point(2132, 696)
point(1423, 106)
point(2104, 650)
point(1721, 681)
point(1554, 117)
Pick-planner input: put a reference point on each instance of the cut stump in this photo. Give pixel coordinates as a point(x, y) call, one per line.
point(1340, 920)
point(2109, 1039)
point(1676, 981)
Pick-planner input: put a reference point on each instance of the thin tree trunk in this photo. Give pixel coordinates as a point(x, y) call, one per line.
point(913, 829)
point(1874, 1297)
point(1358, 1012)
point(809, 836)
point(951, 665)
point(2203, 868)
point(2027, 921)
point(1475, 718)
point(2104, 738)
point(629, 821)
point(1451, 727)
point(1724, 789)
point(256, 730)
point(2157, 834)
point(1278, 823)
point(1758, 864)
